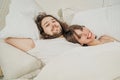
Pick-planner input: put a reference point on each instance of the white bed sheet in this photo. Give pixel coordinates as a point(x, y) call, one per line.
point(100, 62)
point(46, 50)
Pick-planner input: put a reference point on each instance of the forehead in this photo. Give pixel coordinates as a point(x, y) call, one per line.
point(77, 30)
point(46, 19)
point(77, 33)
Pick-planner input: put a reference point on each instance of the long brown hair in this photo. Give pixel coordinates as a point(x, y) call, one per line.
point(38, 21)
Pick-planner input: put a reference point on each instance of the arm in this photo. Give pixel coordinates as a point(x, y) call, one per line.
point(23, 44)
point(106, 38)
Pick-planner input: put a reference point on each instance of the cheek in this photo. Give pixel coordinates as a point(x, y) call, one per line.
point(81, 40)
point(84, 40)
point(48, 31)
point(89, 40)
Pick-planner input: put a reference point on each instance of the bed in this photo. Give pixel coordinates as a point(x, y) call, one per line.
point(67, 61)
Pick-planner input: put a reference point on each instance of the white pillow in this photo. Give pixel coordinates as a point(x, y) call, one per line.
point(31, 75)
point(101, 20)
point(20, 20)
point(16, 63)
point(67, 14)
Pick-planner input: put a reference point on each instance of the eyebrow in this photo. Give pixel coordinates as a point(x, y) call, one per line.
point(48, 21)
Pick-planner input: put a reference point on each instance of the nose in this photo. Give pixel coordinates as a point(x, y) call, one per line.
point(53, 26)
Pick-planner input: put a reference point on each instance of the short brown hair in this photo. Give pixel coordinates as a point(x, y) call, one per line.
point(69, 35)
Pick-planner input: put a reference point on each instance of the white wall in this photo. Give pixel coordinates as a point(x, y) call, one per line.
point(51, 6)
point(111, 2)
point(115, 2)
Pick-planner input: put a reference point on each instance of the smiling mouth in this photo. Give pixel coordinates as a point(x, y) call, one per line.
point(56, 31)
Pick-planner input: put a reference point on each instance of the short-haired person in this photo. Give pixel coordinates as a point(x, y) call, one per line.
point(83, 36)
point(49, 27)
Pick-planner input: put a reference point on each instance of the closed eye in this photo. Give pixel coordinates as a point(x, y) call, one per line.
point(53, 21)
point(47, 25)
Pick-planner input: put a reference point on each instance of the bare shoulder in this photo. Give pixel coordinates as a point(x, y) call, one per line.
point(23, 44)
point(107, 38)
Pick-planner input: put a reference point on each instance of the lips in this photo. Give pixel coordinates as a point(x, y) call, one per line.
point(56, 30)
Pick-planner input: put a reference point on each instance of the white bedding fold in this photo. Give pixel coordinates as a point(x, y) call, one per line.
point(100, 62)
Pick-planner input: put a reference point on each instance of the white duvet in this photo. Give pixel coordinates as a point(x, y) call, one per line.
point(100, 62)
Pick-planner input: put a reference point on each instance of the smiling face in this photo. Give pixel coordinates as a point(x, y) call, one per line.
point(84, 35)
point(51, 26)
